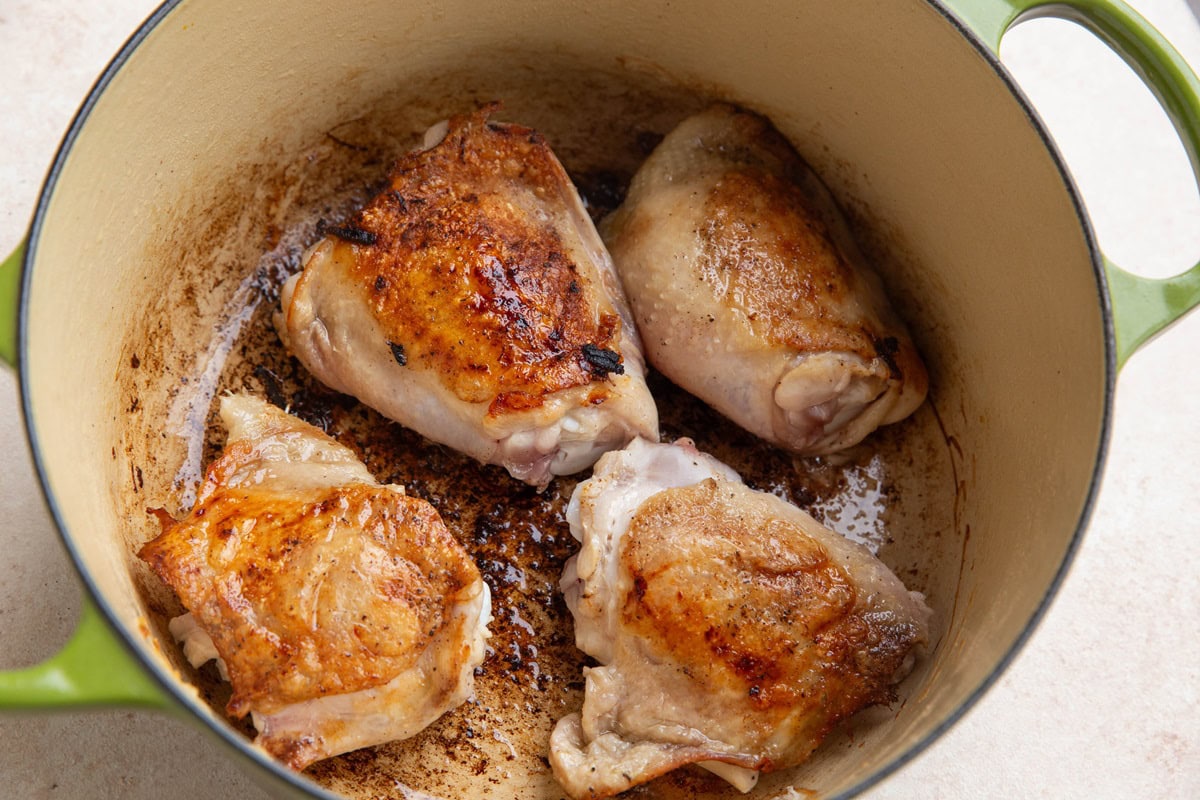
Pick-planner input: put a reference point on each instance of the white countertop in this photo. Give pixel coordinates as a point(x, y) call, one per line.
point(1103, 702)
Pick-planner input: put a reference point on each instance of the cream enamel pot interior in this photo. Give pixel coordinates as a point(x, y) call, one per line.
point(903, 109)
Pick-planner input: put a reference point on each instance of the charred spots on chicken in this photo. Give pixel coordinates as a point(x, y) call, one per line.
point(602, 361)
point(407, 204)
point(355, 235)
point(348, 233)
point(398, 353)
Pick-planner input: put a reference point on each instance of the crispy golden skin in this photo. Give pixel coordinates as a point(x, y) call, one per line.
point(328, 592)
point(750, 606)
point(732, 630)
point(750, 292)
point(472, 285)
point(344, 612)
point(473, 301)
point(767, 248)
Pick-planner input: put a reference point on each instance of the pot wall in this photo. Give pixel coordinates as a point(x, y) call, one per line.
point(904, 118)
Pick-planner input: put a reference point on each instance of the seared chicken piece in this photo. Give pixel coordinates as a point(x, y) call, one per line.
point(473, 301)
point(750, 293)
point(342, 611)
point(732, 629)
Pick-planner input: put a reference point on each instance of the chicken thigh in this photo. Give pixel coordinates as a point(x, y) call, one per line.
point(750, 293)
point(342, 611)
point(732, 630)
point(473, 301)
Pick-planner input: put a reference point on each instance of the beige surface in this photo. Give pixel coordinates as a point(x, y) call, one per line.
point(1083, 712)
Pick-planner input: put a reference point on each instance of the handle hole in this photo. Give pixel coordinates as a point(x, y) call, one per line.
point(1135, 179)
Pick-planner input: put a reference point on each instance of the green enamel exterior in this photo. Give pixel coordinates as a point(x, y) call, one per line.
point(10, 290)
point(1142, 307)
point(94, 668)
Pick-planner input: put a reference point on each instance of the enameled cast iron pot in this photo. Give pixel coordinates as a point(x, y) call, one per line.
point(903, 107)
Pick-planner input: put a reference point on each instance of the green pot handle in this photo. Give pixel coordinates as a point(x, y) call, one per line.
point(1142, 307)
point(94, 668)
point(10, 290)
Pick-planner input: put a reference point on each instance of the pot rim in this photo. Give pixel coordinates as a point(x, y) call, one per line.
point(198, 709)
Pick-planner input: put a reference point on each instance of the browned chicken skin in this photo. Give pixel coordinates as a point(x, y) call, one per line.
point(468, 284)
point(750, 292)
point(753, 607)
point(343, 611)
point(473, 301)
point(732, 630)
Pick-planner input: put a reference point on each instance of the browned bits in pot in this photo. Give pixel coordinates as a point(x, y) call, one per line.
point(518, 537)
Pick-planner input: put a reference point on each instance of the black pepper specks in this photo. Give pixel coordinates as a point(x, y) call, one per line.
point(603, 361)
point(398, 353)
